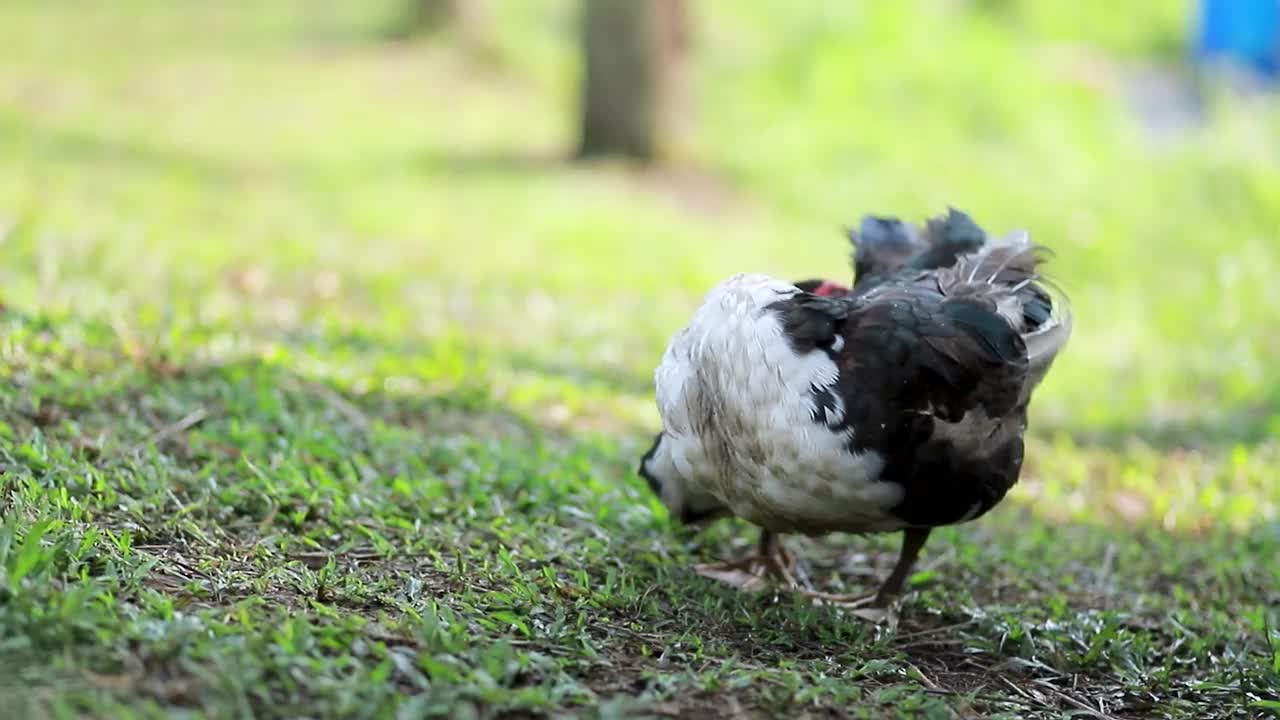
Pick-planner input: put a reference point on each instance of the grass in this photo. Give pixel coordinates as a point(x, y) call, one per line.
point(324, 380)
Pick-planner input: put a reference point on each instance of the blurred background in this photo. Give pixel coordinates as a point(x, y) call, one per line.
point(530, 196)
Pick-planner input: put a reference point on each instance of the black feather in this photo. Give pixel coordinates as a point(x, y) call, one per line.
point(949, 237)
point(810, 321)
point(881, 245)
point(989, 328)
point(924, 346)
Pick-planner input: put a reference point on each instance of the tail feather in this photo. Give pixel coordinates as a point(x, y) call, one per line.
point(1008, 273)
point(883, 245)
point(948, 238)
point(1043, 344)
point(954, 252)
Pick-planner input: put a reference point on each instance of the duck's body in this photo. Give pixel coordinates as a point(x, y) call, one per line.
point(898, 405)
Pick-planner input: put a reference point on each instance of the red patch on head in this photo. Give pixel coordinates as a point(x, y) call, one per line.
point(828, 288)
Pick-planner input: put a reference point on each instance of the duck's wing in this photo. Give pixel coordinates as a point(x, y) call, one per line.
point(907, 348)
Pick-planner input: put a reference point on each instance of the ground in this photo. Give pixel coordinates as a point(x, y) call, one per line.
point(325, 378)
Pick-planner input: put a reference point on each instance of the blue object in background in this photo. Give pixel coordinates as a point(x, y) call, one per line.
point(1244, 31)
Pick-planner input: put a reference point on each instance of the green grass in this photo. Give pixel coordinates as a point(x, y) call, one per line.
point(324, 380)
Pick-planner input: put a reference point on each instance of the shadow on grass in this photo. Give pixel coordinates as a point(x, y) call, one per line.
point(493, 163)
point(243, 407)
point(606, 377)
point(256, 489)
point(91, 149)
point(85, 149)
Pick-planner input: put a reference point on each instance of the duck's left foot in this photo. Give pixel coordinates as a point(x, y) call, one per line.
point(883, 606)
point(876, 608)
point(887, 616)
point(769, 562)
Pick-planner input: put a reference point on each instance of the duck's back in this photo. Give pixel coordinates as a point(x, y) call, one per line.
point(759, 423)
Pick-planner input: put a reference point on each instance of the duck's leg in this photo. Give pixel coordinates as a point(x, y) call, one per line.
point(770, 561)
point(784, 565)
point(913, 540)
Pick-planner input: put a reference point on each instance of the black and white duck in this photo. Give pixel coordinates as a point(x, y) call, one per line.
point(897, 404)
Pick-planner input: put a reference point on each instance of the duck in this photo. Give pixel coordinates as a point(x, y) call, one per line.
point(898, 403)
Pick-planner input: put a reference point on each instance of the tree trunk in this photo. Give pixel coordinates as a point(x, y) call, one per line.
point(632, 87)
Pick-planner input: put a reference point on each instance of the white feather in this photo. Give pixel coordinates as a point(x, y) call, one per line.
point(738, 413)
